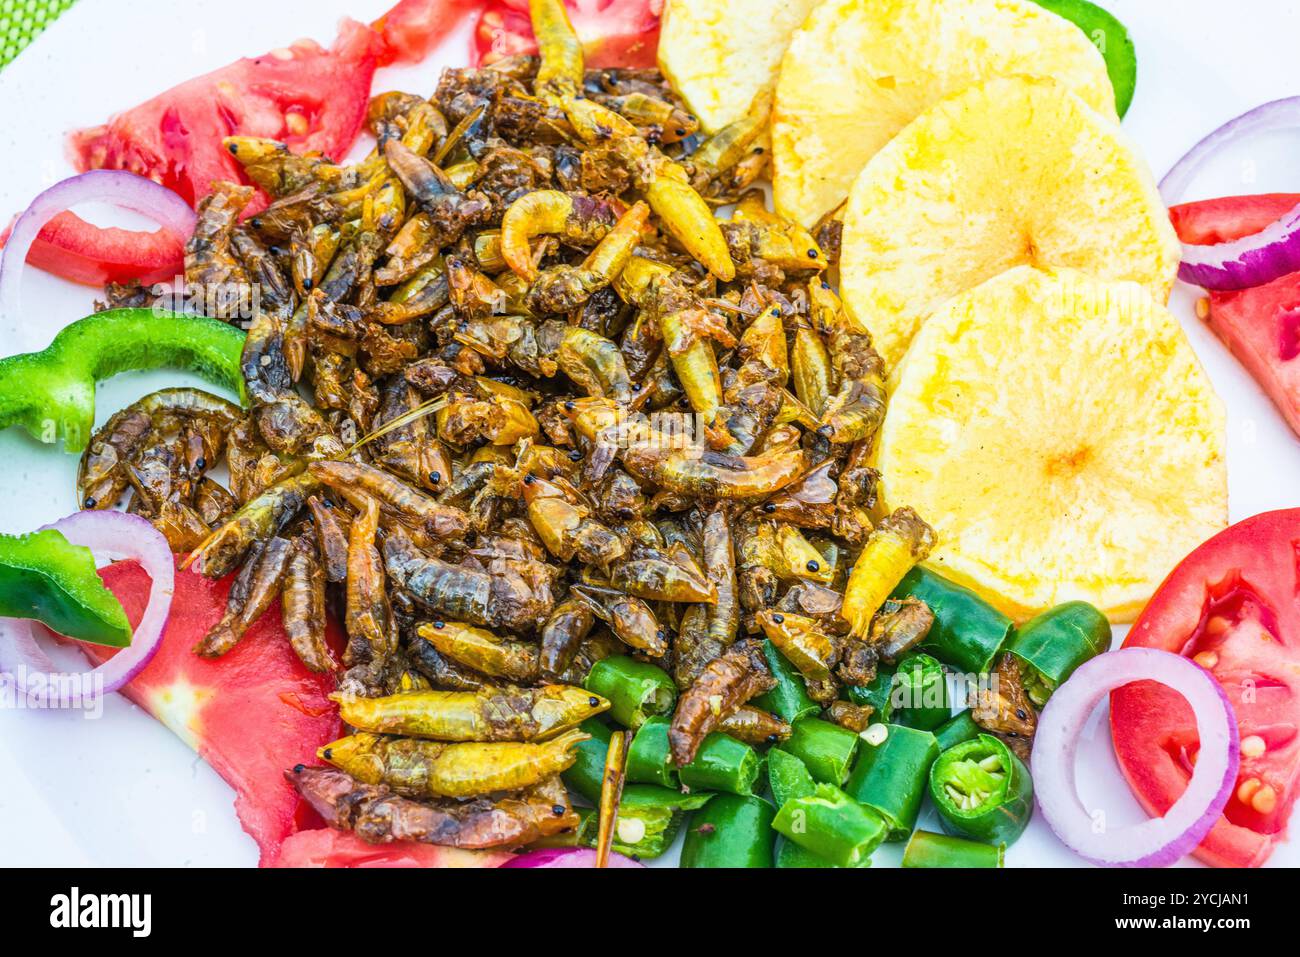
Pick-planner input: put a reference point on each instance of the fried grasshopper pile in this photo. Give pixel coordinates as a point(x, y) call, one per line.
point(558, 411)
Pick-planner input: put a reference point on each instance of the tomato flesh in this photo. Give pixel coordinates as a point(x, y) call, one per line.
point(311, 98)
point(251, 714)
point(412, 28)
point(74, 249)
point(326, 847)
point(1233, 606)
point(1261, 325)
point(614, 33)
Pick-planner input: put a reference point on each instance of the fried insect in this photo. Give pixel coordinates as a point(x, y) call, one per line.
point(715, 475)
point(415, 510)
point(368, 617)
point(563, 634)
point(899, 542)
point(488, 714)
point(755, 726)
point(482, 651)
point(251, 594)
point(900, 626)
point(726, 683)
point(378, 816)
point(1003, 708)
point(260, 518)
point(576, 218)
point(565, 288)
point(303, 607)
point(629, 618)
point(565, 525)
point(419, 768)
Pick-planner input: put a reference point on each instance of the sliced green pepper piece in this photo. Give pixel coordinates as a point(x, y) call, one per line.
point(45, 577)
point(721, 764)
point(967, 632)
point(790, 856)
point(649, 818)
point(788, 777)
point(636, 690)
point(982, 791)
point(891, 777)
point(877, 695)
point(960, 727)
point(1110, 37)
point(52, 393)
point(826, 749)
point(920, 695)
point(789, 700)
point(832, 826)
point(730, 831)
point(1051, 646)
point(927, 849)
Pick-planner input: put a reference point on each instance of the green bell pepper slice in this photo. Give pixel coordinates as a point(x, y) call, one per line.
point(982, 791)
point(826, 749)
point(968, 632)
point(927, 849)
point(789, 700)
point(45, 577)
point(1110, 37)
point(891, 777)
point(833, 826)
point(636, 690)
point(1051, 646)
point(730, 831)
point(920, 695)
point(52, 393)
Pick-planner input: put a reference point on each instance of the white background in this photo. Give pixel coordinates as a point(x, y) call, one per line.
point(122, 790)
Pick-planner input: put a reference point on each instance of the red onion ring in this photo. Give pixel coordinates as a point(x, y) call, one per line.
point(118, 187)
point(1247, 262)
point(1251, 260)
point(567, 857)
point(1159, 841)
point(1277, 115)
point(106, 534)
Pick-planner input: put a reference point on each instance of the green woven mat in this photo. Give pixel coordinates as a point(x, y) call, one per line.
point(22, 20)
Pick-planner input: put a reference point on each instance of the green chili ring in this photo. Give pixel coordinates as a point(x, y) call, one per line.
point(982, 791)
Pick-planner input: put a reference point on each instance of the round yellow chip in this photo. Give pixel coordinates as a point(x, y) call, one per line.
point(1013, 171)
point(1061, 438)
point(858, 71)
point(718, 54)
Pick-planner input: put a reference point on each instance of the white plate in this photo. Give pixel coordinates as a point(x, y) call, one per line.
point(120, 789)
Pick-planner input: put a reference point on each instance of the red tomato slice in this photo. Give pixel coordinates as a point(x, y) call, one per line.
point(309, 97)
point(1229, 217)
point(70, 247)
point(410, 30)
point(1233, 605)
point(1260, 326)
point(250, 714)
point(326, 847)
point(613, 32)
